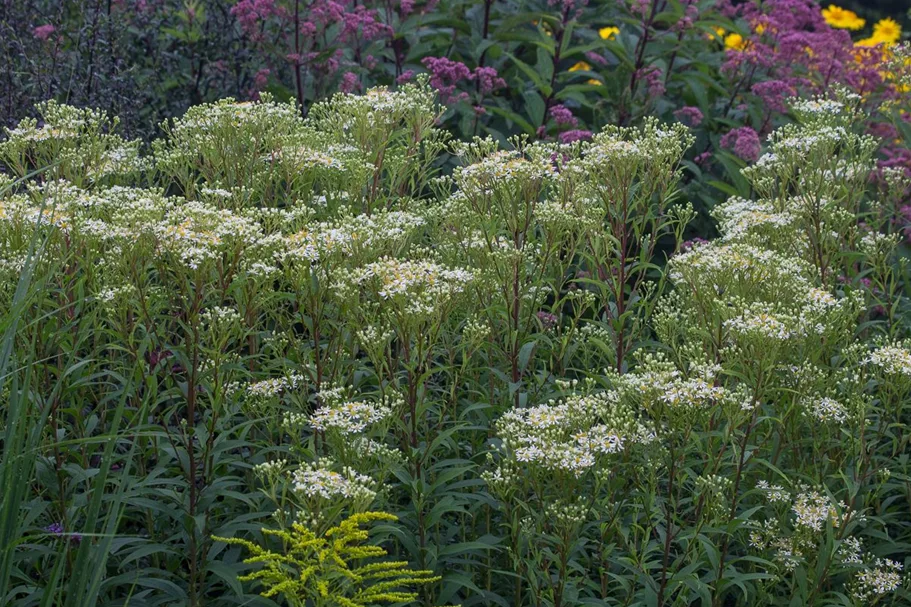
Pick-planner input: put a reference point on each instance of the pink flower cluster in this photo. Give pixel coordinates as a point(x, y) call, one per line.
point(44, 32)
point(320, 15)
point(563, 116)
point(250, 13)
point(446, 75)
point(574, 135)
point(689, 115)
point(653, 78)
point(744, 142)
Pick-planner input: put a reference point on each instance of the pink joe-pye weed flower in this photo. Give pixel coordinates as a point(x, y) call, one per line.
point(44, 32)
point(744, 142)
point(574, 135)
point(563, 116)
point(689, 115)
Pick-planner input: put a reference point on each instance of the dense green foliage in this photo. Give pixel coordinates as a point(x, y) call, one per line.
point(268, 325)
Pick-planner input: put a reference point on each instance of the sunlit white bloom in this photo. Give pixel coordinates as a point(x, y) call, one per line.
point(813, 510)
point(348, 417)
point(882, 578)
point(316, 480)
point(892, 359)
point(776, 494)
point(269, 388)
point(827, 410)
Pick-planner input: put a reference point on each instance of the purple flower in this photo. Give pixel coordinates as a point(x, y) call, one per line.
point(260, 80)
point(574, 135)
point(653, 78)
point(595, 58)
point(689, 115)
point(690, 14)
point(703, 159)
point(406, 76)
point(688, 245)
point(744, 142)
point(774, 93)
point(43, 32)
point(365, 20)
point(563, 116)
point(548, 320)
point(488, 79)
point(55, 528)
point(444, 75)
point(249, 13)
point(350, 83)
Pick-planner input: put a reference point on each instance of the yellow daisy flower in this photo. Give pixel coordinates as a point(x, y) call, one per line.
point(868, 42)
point(735, 42)
point(580, 67)
point(608, 33)
point(841, 18)
point(887, 30)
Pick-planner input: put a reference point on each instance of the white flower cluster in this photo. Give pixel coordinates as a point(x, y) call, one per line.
point(271, 469)
point(422, 288)
point(349, 417)
point(208, 122)
point(827, 410)
point(761, 324)
point(367, 235)
point(876, 581)
point(670, 388)
point(813, 510)
point(740, 268)
point(270, 388)
point(646, 147)
point(570, 435)
point(776, 494)
point(79, 138)
point(316, 480)
point(787, 551)
point(502, 170)
point(893, 359)
point(820, 155)
point(379, 106)
point(739, 218)
point(850, 551)
point(819, 106)
point(109, 296)
point(220, 316)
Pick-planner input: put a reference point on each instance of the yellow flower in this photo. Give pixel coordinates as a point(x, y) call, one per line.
point(593, 82)
point(887, 30)
point(608, 33)
point(869, 42)
point(580, 67)
point(760, 27)
point(841, 18)
point(735, 42)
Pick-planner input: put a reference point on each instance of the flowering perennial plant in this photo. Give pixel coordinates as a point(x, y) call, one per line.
point(266, 326)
